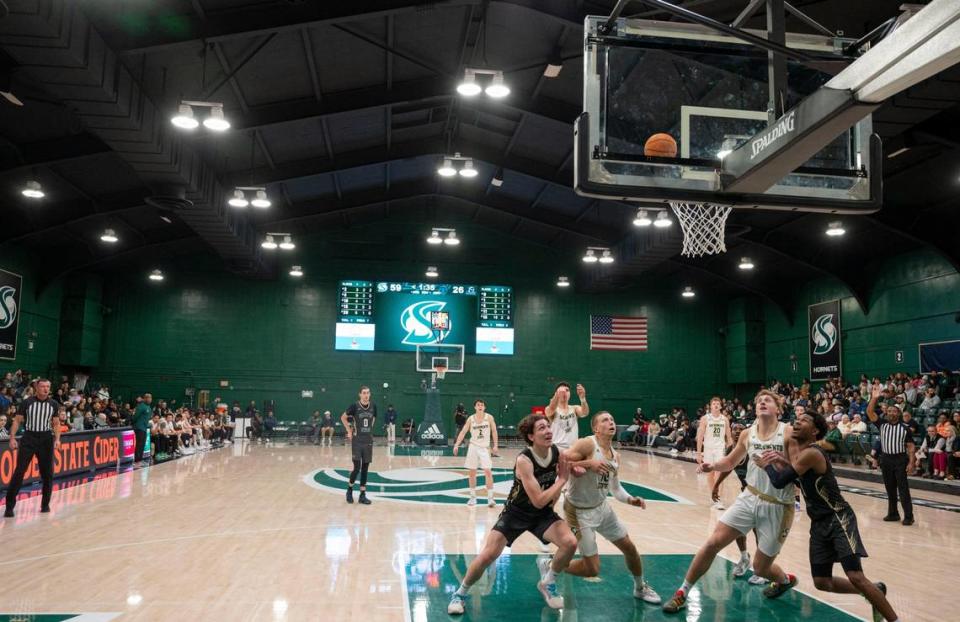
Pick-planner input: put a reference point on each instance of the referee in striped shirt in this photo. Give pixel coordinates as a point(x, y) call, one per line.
point(41, 436)
point(897, 456)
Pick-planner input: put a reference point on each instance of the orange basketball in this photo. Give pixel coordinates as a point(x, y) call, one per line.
point(660, 146)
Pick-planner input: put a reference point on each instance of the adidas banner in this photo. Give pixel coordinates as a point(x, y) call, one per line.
point(10, 286)
point(823, 326)
point(431, 433)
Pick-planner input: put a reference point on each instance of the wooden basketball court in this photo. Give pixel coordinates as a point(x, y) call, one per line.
point(262, 532)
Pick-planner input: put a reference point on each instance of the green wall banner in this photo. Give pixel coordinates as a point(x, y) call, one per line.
point(823, 324)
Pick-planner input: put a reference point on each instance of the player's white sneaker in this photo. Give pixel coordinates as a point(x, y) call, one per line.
point(472, 502)
point(545, 547)
point(742, 566)
point(757, 580)
point(551, 595)
point(646, 594)
point(718, 505)
point(457, 605)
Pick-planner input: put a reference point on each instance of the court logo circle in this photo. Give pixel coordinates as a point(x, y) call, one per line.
point(444, 485)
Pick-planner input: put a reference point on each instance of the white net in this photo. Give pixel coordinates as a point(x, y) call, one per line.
point(440, 371)
point(703, 227)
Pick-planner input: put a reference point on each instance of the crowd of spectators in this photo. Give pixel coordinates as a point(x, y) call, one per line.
point(930, 404)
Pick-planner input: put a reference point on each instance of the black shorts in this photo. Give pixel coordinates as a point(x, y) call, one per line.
point(835, 538)
point(363, 452)
point(512, 524)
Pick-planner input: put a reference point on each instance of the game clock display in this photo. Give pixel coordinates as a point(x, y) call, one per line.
point(393, 316)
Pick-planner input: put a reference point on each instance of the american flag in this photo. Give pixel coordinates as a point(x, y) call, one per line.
point(616, 332)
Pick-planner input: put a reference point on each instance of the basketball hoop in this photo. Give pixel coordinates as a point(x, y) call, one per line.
point(440, 370)
point(703, 227)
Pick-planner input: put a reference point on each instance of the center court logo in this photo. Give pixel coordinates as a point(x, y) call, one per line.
point(445, 485)
point(415, 320)
point(823, 334)
point(8, 306)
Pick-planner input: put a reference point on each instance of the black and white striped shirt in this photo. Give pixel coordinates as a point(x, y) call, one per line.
point(893, 436)
point(36, 413)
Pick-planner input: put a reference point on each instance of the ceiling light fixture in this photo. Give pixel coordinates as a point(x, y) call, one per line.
point(432, 272)
point(497, 179)
point(269, 243)
point(835, 229)
point(497, 88)
point(469, 86)
point(554, 65)
point(156, 275)
point(563, 281)
point(468, 171)
point(663, 219)
point(109, 236)
point(296, 271)
point(606, 257)
point(452, 239)
point(216, 121)
point(184, 118)
point(33, 190)
point(745, 263)
point(238, 199)
point(688, 292)
point(642, 219)
point(287, 244)
point(261, 201)
point(434, 238)
point(590, 256)
point(446, 169)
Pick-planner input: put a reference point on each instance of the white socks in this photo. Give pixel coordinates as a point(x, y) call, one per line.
point(685, 588)
point(638, 581)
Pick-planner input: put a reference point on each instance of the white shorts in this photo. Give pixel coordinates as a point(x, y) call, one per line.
point(586, 524)
point(771, 520)
point(712, 454)
point(478, 455)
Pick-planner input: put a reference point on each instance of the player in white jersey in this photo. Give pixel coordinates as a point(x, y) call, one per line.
point(760, 506)
point(713, 438)
point(483, 428)
point(595, 466)
point(563, 416)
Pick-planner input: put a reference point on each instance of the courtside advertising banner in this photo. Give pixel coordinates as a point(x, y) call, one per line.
point(823, 330)
point(10, 286)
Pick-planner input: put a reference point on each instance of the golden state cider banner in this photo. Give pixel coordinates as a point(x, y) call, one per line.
point(10, 286)
point(79, 452)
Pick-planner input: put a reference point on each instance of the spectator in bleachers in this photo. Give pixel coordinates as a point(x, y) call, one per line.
point(943, 425)
point(4, 430)
point(931, 401)
point(269, 423)
point(858, 425)
point(845, 426)
point(653, 430)
point(930, 440)
point(911, 423)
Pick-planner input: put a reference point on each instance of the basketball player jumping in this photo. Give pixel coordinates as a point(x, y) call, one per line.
point(761, 506)
point(483, 428)
point(740, 470)
point(563, 416)
point(540, 473)
point(361, 415)
point(595, 466)
point(834, 536)
point(713, 438)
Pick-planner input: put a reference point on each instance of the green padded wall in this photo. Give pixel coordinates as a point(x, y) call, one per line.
point(39, 330)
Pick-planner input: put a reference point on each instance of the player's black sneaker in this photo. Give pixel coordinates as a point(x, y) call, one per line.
point(777, 589)
point(349, 495)
point(890, 518)
point(363, 498)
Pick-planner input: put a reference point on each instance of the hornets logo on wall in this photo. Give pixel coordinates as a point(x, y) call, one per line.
point(8, 306)
point(415, 320)
point(824, 334)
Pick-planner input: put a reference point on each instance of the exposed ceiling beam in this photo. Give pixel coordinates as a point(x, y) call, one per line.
point(419, 93)
point(298, 169)
point(50, 152)
point(778, 298)
point(260, 19)
point(309, 212)
point(97, 208)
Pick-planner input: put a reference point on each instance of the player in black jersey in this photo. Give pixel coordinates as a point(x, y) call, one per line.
point(358, 420)
point(539, 475)
point(834, 536)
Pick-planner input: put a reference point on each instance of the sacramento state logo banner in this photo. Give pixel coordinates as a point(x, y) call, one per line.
point(10, 286)
point(823, 330)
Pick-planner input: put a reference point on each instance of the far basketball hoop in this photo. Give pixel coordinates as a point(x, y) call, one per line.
point(438, 360)
point(440, 371)
point(703, 227)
